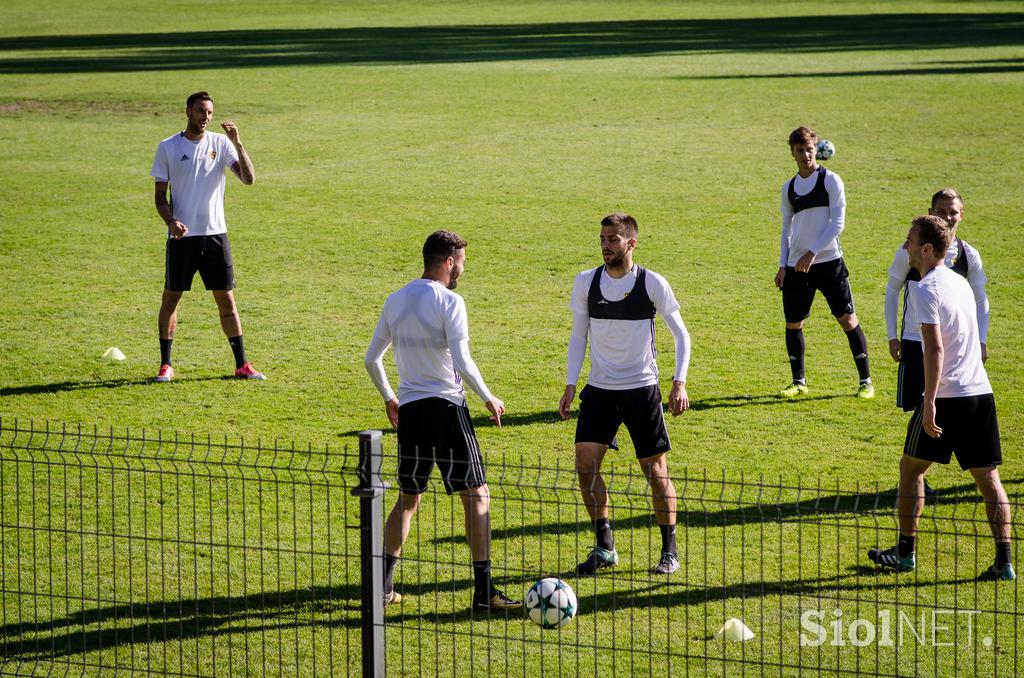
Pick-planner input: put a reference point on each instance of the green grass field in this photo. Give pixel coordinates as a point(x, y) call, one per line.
point(520, 125)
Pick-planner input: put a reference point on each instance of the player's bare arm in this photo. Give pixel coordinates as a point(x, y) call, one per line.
point(780, 277)
point(163, 208)
point(933, 349)
point(243, 169)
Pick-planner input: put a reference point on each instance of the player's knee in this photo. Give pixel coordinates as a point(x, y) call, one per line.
point(795, 326)
point(848, 321)
point(169, 301)
point(409, 502)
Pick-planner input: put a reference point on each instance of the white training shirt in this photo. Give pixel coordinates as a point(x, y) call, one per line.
point(427, 324)
point(815, 229)
point(622, 352)
point(944, 298)
point(898, 271)
point(195, 171)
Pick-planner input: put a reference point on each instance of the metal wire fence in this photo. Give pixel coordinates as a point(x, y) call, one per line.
point(195, 557)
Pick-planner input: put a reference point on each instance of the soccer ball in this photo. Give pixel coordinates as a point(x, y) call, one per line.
point(825, 149)
point(551, 603)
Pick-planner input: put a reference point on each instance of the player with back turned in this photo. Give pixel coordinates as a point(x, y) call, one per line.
point(426, 323)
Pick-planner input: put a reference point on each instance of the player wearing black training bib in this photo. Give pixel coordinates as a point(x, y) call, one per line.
point(614, 307)
point(905, 340)
point(811, 259)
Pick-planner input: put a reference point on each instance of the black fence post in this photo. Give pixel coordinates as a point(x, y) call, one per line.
point(371, 549)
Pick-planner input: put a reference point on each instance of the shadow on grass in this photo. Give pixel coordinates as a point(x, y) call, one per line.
point(482, 421)
point(953, 68)
point(126, 52)
point(751, 512)
point(180, 621)
point(551, 416)
point(648, 591)
point(65, 386)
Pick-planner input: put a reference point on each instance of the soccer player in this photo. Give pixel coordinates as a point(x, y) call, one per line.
point(905, 346)
point(192, 164)
point(426, 322)
point(957, 414)
point(615, 305)
point(811, 259)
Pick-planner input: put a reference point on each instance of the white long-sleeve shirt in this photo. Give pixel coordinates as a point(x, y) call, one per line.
point(622, 352)
point(815, 229)
point(898, 271)
point(427, 325)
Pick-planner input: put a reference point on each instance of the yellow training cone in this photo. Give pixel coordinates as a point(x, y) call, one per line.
point(734, 629)
point(113, 354)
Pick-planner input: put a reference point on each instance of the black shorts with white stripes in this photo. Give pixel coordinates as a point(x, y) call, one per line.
point(969, 430)
point(832, 278)
point(910, 375)
point(437, 431)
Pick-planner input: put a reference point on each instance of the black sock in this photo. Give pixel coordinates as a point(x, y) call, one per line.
point(1002, 553)
point(859, 349)
point(165, 351)
point(238, 348)
point(668, 538)
point(795, 348)
point(389, 572)
point(603, 532)
point(905, 546)
point(482, 580)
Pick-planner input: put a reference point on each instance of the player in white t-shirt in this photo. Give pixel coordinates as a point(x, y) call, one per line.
point(615, 305)
point(958, 412)
point(811, 259)
point(426, 323)
point(192, 164)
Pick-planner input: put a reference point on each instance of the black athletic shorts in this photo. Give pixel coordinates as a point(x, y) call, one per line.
point(910, 376)
point(603, 410)
point(969, 430)
point(830, 277)
point(210, 255)
point(437, 431)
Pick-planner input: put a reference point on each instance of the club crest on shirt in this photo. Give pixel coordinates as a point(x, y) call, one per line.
point(213, 155)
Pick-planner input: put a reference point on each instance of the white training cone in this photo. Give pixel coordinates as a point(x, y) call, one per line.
point(113, 354)
point(734, 629)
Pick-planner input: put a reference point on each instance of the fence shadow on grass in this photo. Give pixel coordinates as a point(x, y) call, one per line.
point(234, 49)
point(181, 620)
point(658, 592)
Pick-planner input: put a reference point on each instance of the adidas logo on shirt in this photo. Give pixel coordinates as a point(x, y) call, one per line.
point(184, 157)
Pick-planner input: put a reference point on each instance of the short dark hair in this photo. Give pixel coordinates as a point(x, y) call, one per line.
point(197, 96)
point(802, 135)
point(622, 221)
point(933, 231)
point(946, 194)
point(439, 246)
